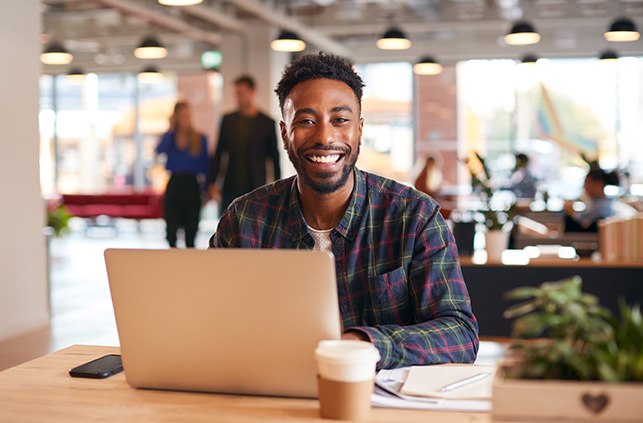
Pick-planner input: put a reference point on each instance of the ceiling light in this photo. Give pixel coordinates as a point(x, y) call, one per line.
point(427, 66)
point(522, 34)
point(608, 55)
point(55, 54)
point(529, 58)
point(393, 39)
point(622, 29)
point(76, 74)
point(179, 2)
point(288, 41)
point(150, 48)
point(150, 75)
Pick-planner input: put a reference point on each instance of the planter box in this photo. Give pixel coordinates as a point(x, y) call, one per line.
point(560, 400)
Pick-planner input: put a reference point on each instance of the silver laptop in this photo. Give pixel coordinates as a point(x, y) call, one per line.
point(226, 320)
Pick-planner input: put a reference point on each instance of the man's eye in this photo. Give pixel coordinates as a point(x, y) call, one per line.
point(340, 120)
point(306, 122)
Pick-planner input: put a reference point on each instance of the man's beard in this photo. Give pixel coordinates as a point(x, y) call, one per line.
point(327, 185)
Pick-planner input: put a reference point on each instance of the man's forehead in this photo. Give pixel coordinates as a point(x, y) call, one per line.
point(308, 88)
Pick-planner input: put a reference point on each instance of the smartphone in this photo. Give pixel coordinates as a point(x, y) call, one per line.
point(99, 368)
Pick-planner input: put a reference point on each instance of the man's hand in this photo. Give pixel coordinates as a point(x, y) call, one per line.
point(215, 193)
point(354, 335)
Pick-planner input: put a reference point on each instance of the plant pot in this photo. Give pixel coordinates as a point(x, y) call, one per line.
point(565, 401)
point(496, 242)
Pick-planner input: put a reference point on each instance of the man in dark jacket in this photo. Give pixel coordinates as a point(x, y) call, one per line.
point(247, 141)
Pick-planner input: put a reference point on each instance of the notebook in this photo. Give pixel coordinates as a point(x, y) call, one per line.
point(243, 321)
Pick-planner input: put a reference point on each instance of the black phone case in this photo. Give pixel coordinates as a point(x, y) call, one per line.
point(99, 368)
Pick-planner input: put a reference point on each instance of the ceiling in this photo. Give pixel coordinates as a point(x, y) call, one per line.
point(102, 34)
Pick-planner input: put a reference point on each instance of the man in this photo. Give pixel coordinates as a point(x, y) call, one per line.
point(248, 139)
point(398, 276)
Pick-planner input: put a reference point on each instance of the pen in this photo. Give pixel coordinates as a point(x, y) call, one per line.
point(463, 382)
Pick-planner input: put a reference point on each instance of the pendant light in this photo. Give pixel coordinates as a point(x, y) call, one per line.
point(394, 39)
point(55, 54)
point(180, 2)
point(150, 75)
point(522, 34)
point(150, 48)
point(288, 41)
point(427, 66)
point(608, 56)
point(621, 30)
point(76, 74)
point(529, 58)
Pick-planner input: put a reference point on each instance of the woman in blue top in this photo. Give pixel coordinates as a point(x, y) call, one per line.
point(186, 152)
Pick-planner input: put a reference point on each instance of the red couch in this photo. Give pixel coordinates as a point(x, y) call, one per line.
point(130, 205)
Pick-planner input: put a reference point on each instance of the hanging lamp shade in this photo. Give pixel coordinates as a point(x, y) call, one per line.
point(288, 41)
point(150, 75)
point(394, 39)
point(621, 30)
point(529, 58)
point(150, 48)
point(522, 34)
point(55, 54)
point(427, 65)
point(608, 55)
point(76, 74)
point(179, 2)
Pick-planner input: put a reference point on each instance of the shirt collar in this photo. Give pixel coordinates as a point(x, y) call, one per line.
point(347, 227)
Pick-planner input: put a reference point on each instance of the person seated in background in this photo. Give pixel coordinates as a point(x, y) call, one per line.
point(598, 205)
point(430, 177)
point(523, 183)
point(399, 281)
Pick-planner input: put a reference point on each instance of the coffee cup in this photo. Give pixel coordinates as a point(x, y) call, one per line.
point(346, 372)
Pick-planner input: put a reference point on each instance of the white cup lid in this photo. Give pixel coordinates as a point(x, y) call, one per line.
point(347, 350)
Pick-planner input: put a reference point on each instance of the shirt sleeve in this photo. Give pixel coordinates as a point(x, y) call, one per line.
point(164, 144)
point(215, 163)
point(447, 331)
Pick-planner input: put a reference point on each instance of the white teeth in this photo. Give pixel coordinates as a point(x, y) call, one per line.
point(325, 159)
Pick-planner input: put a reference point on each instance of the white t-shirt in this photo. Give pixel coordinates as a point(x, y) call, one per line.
point(322, 239)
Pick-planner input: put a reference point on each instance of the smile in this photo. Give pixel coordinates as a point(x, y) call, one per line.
point(332, 158)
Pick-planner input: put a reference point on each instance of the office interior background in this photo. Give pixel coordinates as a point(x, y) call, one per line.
point(96, 131)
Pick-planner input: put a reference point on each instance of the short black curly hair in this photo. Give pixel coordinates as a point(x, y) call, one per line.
point(318, 66)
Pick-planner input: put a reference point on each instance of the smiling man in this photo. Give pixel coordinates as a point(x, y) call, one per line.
point(398, 274)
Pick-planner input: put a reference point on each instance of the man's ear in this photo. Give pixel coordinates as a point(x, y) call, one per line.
point(361, 127)
point(284, 133)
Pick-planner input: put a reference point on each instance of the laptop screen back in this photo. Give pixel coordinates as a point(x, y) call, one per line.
point(225, 320)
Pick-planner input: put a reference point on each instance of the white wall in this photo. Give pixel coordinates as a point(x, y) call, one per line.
point(23, 286)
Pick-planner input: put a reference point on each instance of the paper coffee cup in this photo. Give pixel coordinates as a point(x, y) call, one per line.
point(346, 361)
point(346, 371)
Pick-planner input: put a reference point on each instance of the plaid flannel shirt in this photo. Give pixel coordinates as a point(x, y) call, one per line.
point(398, 273)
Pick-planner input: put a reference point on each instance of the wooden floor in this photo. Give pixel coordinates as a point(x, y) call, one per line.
point(80, 300)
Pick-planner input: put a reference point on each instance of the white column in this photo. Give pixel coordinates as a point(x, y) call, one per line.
point(23, 286)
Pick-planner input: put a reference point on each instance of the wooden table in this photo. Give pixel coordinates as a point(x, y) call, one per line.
point(41, 390)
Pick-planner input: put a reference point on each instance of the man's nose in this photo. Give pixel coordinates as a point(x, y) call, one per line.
point(325, 133)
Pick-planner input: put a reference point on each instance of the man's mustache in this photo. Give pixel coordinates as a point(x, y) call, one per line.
point(326, 147)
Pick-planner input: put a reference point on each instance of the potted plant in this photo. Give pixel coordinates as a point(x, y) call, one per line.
point(58, 218)
point(573, 359)
point(496, 214)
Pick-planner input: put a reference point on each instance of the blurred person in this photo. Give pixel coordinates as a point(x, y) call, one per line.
point(522, 183)
point(597, 204)
point(186, 152)
point(430, 177)
point(247, 140)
